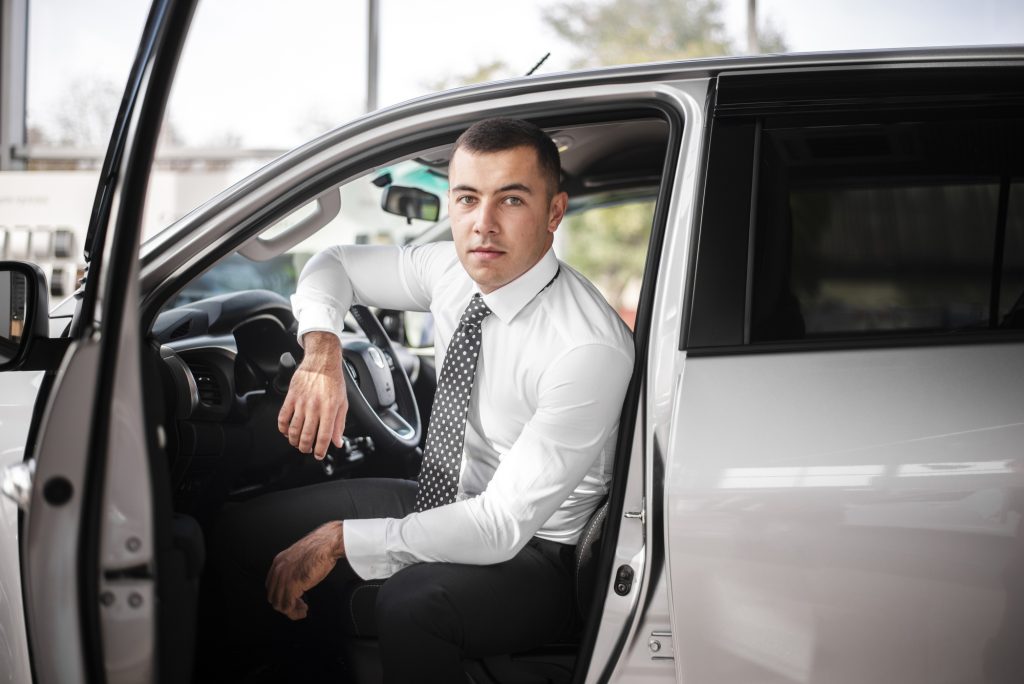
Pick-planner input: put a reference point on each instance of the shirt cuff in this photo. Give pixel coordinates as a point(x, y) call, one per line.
point(364, 548)
point(313, 318)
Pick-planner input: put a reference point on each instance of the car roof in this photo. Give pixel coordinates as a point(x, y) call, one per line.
point(716, 66)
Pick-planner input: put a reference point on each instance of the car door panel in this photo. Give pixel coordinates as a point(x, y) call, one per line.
point(844, 503)
point(847, 516)
point(53, 522)
point(88, 552)
point(52, 601)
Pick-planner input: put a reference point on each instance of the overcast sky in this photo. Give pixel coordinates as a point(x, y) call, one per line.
point(272, 74)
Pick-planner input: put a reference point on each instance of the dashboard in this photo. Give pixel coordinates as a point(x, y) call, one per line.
point(224, 383)
point(220, 351)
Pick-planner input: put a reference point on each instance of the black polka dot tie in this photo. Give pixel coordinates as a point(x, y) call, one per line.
point(442, 461)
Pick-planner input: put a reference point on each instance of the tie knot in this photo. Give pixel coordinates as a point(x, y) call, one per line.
point(476, 312)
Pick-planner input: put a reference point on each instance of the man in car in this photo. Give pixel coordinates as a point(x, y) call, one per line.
point(476, 558)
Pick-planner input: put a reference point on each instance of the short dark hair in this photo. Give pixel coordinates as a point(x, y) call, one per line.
point(499, 134)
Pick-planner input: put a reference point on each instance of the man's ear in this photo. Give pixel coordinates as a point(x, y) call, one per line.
point(556, 211)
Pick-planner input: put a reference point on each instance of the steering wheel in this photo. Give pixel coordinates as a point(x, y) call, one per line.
point(380, 396)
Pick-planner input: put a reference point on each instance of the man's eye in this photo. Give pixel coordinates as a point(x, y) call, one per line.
point(465, 199)
point(514, 201)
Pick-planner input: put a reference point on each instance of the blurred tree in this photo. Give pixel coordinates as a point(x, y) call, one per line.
point(770, 39)
point(609, 246)
point(83, 118)
point(84, 115)
point(635, 31)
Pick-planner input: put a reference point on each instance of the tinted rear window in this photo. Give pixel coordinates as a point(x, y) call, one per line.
point(892, 227)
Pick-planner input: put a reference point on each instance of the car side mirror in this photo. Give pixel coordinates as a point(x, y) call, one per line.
point(412, 203)
point(24, 307)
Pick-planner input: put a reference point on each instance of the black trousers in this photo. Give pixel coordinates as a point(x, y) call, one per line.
point(428, 616)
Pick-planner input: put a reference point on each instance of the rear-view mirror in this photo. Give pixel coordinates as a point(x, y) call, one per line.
point(412, 203)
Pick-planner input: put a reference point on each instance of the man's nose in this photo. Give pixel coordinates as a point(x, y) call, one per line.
point(486, 218)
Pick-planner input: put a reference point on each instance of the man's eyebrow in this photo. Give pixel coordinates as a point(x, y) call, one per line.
point(520, 187)
point(516, 187)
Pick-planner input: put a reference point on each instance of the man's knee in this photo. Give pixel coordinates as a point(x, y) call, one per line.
point(415, 601)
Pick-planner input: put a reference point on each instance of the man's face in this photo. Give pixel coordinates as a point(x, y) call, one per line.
point(502, 212)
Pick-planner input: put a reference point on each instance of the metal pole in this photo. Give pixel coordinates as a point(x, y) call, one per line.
point(752, 46)
point(372, 53)
point(13, 69)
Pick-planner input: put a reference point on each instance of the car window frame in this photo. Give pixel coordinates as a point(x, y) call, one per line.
point(545, 115)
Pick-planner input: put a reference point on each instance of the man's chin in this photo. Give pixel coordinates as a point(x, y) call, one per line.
point(488, 279)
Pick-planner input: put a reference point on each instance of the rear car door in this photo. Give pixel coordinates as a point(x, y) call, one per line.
point(92, 538)
point(845, 467)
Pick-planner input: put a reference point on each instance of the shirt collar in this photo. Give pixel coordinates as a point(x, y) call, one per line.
point(508, 300)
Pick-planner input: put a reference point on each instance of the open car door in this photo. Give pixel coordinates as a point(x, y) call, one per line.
point(103, 577)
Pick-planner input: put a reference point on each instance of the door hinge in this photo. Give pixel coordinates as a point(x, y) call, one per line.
point(660, 645)
point(16, 482)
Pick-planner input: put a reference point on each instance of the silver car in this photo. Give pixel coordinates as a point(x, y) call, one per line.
point(820, 465)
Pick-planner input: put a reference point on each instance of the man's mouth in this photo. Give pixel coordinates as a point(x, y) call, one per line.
point(486, 252)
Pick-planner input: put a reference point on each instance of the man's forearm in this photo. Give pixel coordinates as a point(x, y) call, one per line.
point(334, 538)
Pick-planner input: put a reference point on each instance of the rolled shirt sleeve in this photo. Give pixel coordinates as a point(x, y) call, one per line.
point(580, 397)
point(390, 277)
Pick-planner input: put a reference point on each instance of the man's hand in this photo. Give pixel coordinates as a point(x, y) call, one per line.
point(302, 566)
point(314, 411)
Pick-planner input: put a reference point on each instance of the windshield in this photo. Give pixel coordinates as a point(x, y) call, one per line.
point(362, 220)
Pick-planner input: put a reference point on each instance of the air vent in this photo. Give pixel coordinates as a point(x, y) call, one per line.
point(206, 383)
point(181, 330)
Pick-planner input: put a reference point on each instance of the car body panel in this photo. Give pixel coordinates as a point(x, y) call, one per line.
point(860, 525)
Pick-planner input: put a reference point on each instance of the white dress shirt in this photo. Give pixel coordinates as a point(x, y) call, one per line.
point(543, 416)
